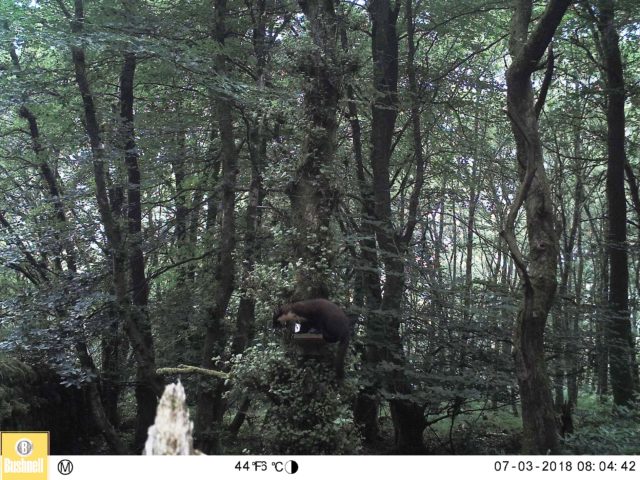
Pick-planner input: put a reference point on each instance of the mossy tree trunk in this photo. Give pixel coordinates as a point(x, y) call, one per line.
point(539, 268)
point(313, 199)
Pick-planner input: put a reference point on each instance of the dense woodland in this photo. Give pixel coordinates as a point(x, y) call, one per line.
point(459, 177)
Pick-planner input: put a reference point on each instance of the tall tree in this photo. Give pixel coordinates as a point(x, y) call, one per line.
point(210, 404)
point(136, 322)
point(384, 342)
point(538, 270)
point(619, 337)
point(313, 199)
point(145, 395)
point(368, 291)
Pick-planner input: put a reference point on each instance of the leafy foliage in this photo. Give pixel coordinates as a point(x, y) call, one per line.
point(15, 390)
point(601, 427)
point(306, 411)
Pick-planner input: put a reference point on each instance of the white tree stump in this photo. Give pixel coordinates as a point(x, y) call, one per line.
point(172, 432)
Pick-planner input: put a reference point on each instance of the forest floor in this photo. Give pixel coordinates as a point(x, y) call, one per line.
point(599, 430)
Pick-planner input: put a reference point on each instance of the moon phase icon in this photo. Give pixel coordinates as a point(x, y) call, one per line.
point(291, 466)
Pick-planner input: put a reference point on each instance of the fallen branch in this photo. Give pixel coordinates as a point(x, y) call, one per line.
point(191, 370)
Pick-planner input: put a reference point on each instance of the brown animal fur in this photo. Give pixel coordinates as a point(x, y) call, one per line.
point(290, 317)
point(323, 316)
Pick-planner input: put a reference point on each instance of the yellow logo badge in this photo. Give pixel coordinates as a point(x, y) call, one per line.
point(24, 455)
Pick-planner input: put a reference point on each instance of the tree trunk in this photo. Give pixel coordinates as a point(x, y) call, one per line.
point(257, 145)
point(574, 326)
point(619, 338)
point(473, 203)
point(148, 384)
point(538, 271)
point(565, 343)
point(367, 404)
point(210, 404)
point(600, 298)
point(572, 321)
point(313, 199)
point(181, 300)
point(137, 329)
point(383, 327)
point(99, 413)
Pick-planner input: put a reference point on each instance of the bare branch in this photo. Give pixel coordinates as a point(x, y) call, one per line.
point(191, 370)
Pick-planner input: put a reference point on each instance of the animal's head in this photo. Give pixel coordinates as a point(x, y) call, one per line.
point(283, 315)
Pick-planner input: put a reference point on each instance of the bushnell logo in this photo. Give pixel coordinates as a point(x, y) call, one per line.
point(24, 447)
point(24, 455)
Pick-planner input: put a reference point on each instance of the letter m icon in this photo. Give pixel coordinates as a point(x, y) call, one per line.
point(65, 467)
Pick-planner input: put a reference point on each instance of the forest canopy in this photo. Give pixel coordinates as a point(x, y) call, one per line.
point(459, 178)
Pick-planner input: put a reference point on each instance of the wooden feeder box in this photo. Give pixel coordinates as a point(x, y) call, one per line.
point(309, 344)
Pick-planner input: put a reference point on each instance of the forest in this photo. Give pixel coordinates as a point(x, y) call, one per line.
point(459, 179)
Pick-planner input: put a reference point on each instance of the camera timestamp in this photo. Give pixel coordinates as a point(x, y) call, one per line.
point(565, 466)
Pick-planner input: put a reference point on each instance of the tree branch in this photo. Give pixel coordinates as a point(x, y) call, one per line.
point(166, 268)
point(64, 9)
point(546, 82)
point(191, 370)
point(525, 60)
point(632, 181)
point(508, 231)
point(545, 28)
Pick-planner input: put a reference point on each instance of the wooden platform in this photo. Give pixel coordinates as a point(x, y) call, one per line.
point(310, 344)
point(307, 337)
